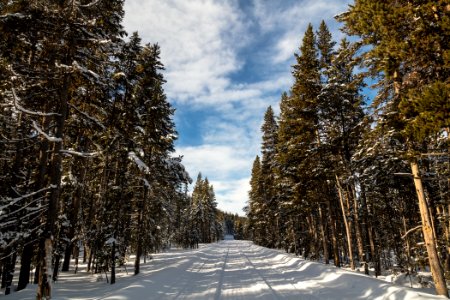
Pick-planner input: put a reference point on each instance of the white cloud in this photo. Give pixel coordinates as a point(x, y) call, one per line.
point(291, 21)
point(232, 195)
point(227, 169)
point(198, 41)
point(214, 161)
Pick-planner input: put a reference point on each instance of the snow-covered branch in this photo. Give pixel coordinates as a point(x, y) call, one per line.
point(146, 183)
point(90, 4)
point(49, 138)
point(81, 154)
point(140, 164)
point(24, 207)
point(24, 110)
point(15, 200)
point(84, 70)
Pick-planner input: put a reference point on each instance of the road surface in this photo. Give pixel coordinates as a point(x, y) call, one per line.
point(226, 270)
point(241, 270)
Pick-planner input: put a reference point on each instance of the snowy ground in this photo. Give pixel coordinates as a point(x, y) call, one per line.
point(227, 270)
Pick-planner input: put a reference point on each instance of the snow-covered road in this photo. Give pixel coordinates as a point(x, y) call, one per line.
point(231, 270)
point(240, 270)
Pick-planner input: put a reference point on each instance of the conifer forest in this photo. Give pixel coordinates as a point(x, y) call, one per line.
point(354, 171)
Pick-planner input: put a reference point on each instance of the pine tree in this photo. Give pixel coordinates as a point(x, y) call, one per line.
point(299, 138)
point(257, 205)
point(408, 45)
point(269, 131)
point(206, 226)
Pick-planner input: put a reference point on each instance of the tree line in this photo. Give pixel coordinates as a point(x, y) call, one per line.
point(359, 181)
point(86, 146)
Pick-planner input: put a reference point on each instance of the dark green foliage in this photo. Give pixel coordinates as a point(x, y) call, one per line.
point(87, 138)
point(204, 214)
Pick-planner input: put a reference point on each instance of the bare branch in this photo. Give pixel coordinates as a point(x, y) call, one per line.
point(411, 230)
point(97, 122)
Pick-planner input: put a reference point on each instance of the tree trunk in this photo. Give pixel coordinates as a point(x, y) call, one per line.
point(37, 270)
point(67, 256)
point(77, 257)
point(45, 272)
point(346, 224)
point(365, 230)
point(73, 220)
point(408, 245)
point(430, 242)
point(2, 275)
point(357, 226)
point(9, 272)
point(137, 261)
point(91, 256)
point(113, 263)
point(334, 240)
point(25, 266)
point(56, 267)
point(44, 289)
point(139, 234)
point(324, 236)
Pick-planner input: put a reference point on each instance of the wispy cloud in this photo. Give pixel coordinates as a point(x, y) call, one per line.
point(290, 20)
point(231, 193)
point(197, 38)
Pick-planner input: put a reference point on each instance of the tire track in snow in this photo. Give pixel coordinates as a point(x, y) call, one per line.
point(187, 281)
point(280, 294)
point(222, 275)
point(274, 293)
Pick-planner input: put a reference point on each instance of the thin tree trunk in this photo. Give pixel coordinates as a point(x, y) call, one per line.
point(408, 245)
point(324, 236)
point(357, 226)
point(365, 230)
point(77, 257)
point(334, 240)
point(56, 267)
point(113, 263)
point(137, 261)
point(76, 200)
point(9, 268)
point(430, 242)
point(91, 256)
point(2, 275)
point(347, 226)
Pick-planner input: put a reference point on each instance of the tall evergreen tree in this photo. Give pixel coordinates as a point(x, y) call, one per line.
point(408, 45)
point(269, 131)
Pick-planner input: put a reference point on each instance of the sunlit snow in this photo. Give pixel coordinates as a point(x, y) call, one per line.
point(226, 270)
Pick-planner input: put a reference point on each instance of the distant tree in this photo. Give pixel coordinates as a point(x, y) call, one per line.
point(204, 212)
point(257, 206)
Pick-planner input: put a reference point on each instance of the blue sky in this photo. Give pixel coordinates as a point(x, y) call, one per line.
point(226, 61)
